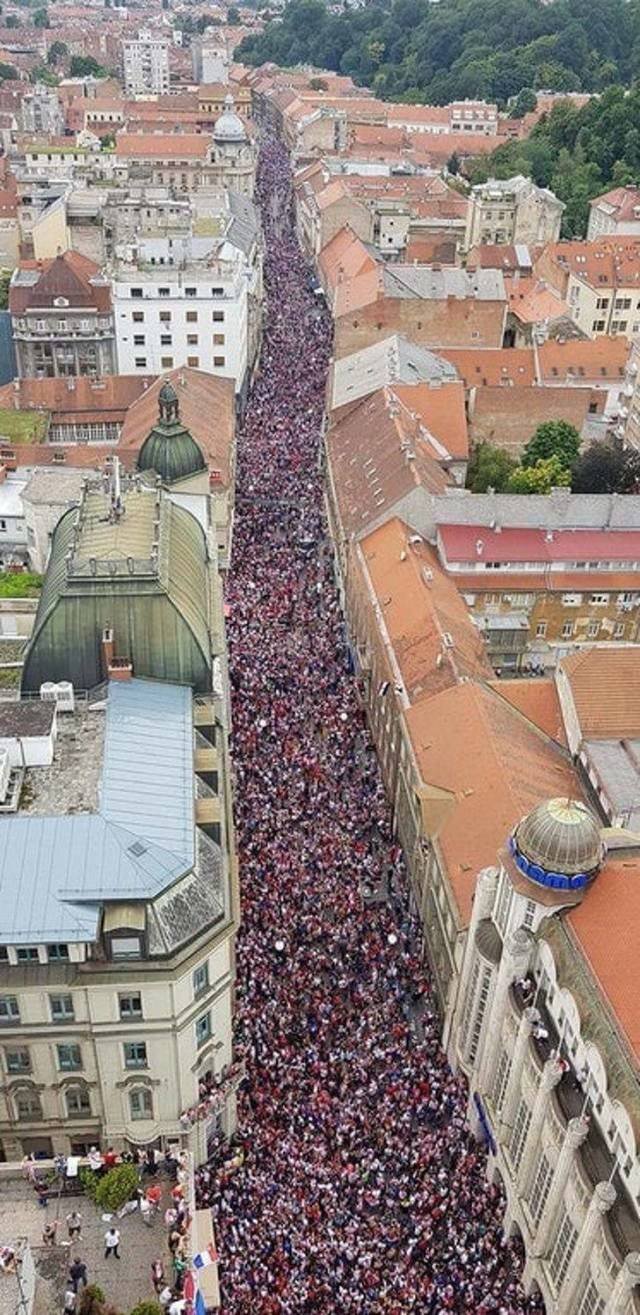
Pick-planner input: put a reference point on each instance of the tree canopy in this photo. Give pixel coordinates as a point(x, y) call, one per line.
point(606, 469)
point(578, 153)
point(85, 66)
point(553, 438)
point(495, 49)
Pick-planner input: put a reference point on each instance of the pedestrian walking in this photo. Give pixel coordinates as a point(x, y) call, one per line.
point(157, 1275)
point(111, 1243)
point(78, 1273)
point(70, 1300)
point(74, 1226)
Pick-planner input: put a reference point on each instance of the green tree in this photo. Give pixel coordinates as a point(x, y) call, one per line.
point(11, 21)
point(41, 18)
point(147, 1308)
point(43, 74)
point(5, 279)
point(553, 438)
point(233, 14)
point(524, 102)
point(116, 1187)
point(542, 477)
point(85, 66)
point(57, 51)
point(489, 468)
point(8, 73)
point(606, 469)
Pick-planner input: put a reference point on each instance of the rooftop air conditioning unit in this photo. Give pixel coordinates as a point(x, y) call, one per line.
point(48, 691)
point(64, 696)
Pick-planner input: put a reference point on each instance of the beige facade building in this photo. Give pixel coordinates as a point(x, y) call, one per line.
point(117, 937)
point(599, 280)
point(512, 210)
point(530, 910)
point(615, 214)
point(543, 1028)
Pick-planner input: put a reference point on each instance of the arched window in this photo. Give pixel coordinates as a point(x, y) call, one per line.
point(28, 1104)
point(141, 1103)
point(78, 1102)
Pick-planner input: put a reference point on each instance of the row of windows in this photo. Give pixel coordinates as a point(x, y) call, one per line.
point(190, 316)
point(28, 1105)
point(186, 292)
point(30, 954)
point(569, 630)
point(69, 1057)
point(62, 1007)
point(167, 362)
point(166, 340)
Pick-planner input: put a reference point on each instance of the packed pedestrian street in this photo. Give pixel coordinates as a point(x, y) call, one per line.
point(352, 1186)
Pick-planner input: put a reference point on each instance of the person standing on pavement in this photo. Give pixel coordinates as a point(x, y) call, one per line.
point(74, 1226)
point(70, 1300)
point(78, 1273)
point(111, 1243)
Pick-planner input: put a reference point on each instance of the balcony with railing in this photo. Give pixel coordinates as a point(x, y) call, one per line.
point(570, 1100)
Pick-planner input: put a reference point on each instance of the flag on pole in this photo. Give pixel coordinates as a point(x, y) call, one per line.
point(207, 1257)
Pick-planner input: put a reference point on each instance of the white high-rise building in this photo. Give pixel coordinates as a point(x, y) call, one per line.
point(210, 59)
point(146, 65)
point(191, 300)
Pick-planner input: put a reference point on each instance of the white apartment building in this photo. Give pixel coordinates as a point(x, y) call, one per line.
point(117, 920)
point(512, 210)
point(190, 300)
point(210, 57)
point(539, 1027)
point(146, 65)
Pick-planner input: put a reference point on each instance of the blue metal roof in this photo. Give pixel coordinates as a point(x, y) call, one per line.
point(147, 778)
point(55, 872)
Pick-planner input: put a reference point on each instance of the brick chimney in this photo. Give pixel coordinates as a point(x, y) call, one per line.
point(115, 668)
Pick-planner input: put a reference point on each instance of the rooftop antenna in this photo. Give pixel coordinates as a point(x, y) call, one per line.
point(117, 508)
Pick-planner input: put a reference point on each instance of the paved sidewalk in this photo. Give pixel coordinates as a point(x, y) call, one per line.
point(124, 1282)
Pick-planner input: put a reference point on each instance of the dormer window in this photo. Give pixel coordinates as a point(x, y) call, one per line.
point(124, 926)
point(60, 302)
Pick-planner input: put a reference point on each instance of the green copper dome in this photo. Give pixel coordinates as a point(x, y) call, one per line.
point(169, 449)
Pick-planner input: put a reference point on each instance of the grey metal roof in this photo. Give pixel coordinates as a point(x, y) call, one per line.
point(393, 360)
point(431, 284)
point(55, 487)
point(617, 763)
point(57, 871)
point(147, 779)
point(244, 227)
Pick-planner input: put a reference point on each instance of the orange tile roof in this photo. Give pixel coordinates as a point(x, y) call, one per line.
point(419, 605)
point(344, 258)
point(165, 146)
point(492, 365)
point(369, 467)
point(531, 300)
point(607, 262)
point(110, 393)
point(605, 684)
point(207, 409)
point(496, 766)
point(624, 201)
point(441, 409)
point(607, 927)
point(538, 701)
point(603, 358)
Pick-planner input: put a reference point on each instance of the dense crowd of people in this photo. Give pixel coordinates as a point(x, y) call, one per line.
point(353, 1184)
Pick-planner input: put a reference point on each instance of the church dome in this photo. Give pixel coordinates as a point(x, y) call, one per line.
point(229, 126)
point(169, 449)
point(558, 845)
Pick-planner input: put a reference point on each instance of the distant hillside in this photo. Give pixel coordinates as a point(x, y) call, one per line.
point(492, 49)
